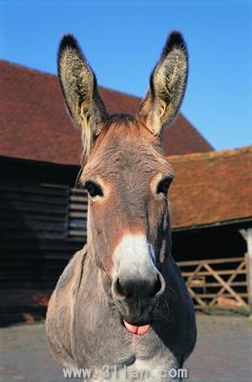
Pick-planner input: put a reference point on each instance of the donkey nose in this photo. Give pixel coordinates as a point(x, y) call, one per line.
point(131, 288)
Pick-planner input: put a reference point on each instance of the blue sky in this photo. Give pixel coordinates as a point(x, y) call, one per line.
point(123, 40)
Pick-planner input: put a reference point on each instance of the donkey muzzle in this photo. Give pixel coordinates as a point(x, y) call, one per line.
point(137, 283)
point(136, 296)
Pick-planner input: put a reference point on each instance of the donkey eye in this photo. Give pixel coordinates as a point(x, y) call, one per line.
point(163, 185)
point(93, 188)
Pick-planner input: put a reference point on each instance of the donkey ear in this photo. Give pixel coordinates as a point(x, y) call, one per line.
point(79, 86)
point(167, 85)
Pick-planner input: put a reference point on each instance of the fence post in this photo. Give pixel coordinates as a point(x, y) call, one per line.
point(247, 235)
point(249, 279)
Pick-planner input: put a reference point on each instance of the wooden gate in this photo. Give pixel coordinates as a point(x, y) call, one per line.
point(217, 283)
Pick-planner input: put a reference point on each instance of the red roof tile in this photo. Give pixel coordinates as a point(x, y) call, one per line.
point(211, 187)
point(182, 138)
point(34, 123)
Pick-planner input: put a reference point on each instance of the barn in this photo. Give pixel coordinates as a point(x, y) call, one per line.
point(42, 220)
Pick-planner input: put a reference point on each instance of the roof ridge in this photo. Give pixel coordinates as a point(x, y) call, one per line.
point(21, 66)
point(196, 130)
point(210, 154)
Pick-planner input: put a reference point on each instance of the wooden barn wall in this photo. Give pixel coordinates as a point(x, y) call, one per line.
point(35, 235)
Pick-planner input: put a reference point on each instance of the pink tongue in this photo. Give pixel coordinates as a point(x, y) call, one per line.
point(140, 330)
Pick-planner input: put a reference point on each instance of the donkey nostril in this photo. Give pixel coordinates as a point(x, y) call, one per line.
point(135, 289)
point(157, 287)
point(124, 290)
point(119, 289)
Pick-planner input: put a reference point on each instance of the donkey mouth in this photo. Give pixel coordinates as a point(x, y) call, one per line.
point(134, 329)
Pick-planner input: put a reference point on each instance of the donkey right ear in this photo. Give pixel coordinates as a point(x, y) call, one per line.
point(167, 85)
point(79, 87)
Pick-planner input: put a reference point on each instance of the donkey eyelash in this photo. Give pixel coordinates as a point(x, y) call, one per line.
point(93, 188)
point(163, 185)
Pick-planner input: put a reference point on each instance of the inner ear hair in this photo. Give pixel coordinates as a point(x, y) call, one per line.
point(167, 84)
point(80, 91)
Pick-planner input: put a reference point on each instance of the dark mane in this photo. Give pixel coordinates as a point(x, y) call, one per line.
point(121, 117)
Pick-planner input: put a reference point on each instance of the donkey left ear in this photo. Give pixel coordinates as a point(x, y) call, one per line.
point(167, 85)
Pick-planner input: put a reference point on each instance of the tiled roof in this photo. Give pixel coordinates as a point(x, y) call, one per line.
point(34, 123)
point(182, 138)
point(211, 187)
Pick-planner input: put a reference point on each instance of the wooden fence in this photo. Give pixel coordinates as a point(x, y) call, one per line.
point(217, 283)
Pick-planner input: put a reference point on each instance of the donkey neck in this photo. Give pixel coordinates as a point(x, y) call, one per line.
point(94, 277)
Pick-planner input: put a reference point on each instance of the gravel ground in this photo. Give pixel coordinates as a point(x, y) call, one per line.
point(223, 352)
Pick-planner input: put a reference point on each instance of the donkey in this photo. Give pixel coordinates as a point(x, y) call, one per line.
point(121, 307)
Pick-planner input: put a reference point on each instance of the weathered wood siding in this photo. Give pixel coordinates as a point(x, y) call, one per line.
point(35, 235)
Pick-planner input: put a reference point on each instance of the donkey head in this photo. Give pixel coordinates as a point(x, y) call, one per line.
point(127, 178)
